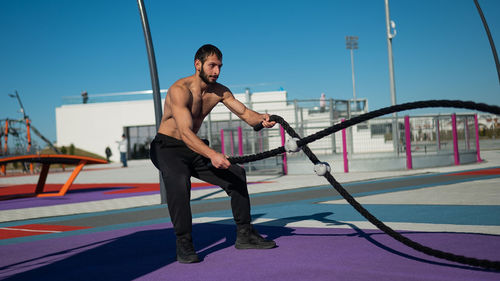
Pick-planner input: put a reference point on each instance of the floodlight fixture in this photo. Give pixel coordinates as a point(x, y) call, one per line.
point(351, 42)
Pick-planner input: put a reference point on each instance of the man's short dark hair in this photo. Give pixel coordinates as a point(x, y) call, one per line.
point(207, 50)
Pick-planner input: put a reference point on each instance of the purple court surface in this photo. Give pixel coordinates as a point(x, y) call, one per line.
point(316, 240)
point(147, 253)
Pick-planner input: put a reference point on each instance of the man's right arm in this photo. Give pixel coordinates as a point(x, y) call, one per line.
point(180, 98)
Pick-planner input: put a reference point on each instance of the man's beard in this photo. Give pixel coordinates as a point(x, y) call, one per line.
point(204, 77)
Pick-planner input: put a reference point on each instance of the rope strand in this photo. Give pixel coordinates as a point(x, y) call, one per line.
point(495, 265)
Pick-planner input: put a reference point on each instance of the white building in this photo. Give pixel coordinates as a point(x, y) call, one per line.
point(95, 125)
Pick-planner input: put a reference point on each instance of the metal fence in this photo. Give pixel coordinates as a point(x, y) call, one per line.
point(227, 133)
point(423, 135)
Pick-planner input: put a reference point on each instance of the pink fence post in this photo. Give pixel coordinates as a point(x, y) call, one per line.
point(467, 135)
point(3, 168)
point(476, 125)
point(438, 134)
point(285, 165)
point(232, 142)
point(409, 162)
point(344, 150)
point(240, 141)
point(455, 138)
point(222, 141)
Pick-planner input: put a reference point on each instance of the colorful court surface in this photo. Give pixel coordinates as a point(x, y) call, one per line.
point(23, 196)
point(34, 229)
point(319, 235)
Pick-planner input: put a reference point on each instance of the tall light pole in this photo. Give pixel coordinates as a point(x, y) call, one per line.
point(20, 104)
point(351, 43)
point(391, 34)
point(26, 119)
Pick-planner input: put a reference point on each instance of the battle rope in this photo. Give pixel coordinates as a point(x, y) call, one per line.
point(302, 143)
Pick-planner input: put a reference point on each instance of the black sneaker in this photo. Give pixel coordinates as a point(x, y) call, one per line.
point(248, 238)
point(185, 250)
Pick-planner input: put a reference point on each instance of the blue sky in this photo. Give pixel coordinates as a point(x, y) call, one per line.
point(55, 48)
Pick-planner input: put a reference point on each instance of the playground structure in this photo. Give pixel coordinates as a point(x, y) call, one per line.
point(23, 152)
point(21, 131)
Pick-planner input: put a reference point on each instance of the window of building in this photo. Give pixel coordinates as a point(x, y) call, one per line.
point(139, 139)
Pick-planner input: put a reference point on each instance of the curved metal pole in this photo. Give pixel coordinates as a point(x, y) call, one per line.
point(152, 63)
point(154, 81)
point(490, 38)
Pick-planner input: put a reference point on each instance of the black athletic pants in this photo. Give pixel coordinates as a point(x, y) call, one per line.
point(178, 163)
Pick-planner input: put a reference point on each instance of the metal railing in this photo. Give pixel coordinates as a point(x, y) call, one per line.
point(428, 134)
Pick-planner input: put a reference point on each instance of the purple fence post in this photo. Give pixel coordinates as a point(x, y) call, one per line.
point(222, 149)
point(409, 162)
point(285, 165)
point(344, 150)
point(455, 138)
point(240, 141)
point(232, 142)
point(478, 150)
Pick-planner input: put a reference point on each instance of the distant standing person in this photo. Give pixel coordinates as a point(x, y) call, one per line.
point(85, 96)
point(322, 103)
point(108, 153)
point(122, 147)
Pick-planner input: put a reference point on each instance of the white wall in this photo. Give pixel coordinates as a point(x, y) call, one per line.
point(94, 126)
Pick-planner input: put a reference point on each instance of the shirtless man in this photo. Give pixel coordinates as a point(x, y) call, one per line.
point(179, 153)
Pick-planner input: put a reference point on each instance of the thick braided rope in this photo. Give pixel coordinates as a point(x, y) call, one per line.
point(340, 189)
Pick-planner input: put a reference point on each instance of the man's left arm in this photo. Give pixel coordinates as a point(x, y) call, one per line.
point(250, 117)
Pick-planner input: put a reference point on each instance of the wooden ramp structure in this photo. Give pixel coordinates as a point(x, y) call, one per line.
point(46, 160)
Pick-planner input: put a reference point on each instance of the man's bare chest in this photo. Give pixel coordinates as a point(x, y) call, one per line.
point(203, 104)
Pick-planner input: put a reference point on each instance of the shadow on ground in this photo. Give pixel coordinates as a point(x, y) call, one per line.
point(134, 255)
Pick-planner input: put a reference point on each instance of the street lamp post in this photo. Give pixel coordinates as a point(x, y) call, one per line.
point(26, 119)
point(391, 34)
point(20, 104)
point(351, 43)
